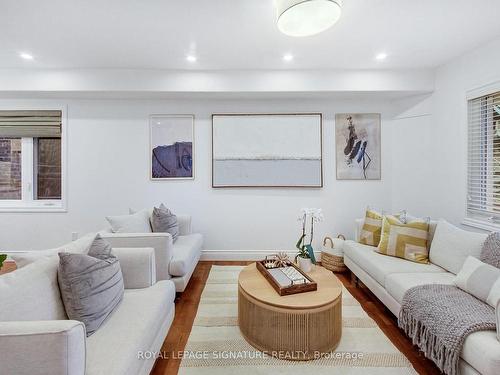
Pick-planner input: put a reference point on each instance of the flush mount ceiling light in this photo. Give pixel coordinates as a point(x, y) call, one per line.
point(307, 17)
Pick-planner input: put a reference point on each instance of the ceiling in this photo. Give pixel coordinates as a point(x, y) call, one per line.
point(238, 34)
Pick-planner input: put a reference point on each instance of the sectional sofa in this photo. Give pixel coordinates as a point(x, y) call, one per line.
point(175, 261)
point(36, 336)
point(389, 278)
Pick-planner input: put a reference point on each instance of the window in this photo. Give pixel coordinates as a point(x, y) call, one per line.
point(31, 160)
point(483, 178)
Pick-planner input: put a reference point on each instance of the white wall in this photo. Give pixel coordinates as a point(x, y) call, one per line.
point(430, 138)
point(108, 173)
point(424, 143)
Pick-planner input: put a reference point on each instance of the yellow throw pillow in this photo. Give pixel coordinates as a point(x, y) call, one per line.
point(405, 240)
point(372, 228)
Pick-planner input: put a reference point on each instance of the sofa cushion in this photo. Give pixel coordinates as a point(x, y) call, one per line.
point(32, 292)
point(481, 280)
point(91, 288)
point(100, 248)
point(482, 351)
point(138, 222)
point(185, 252)
point(79, 246)
point(372, 228)
point(397, 284)
point(164, 221)
point(405, 240)
point(379, 266)
point(432, 227)
point(451, 246)
point(135, 324)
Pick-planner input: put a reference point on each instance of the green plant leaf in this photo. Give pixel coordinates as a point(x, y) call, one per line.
point(2, 259)
point(299, 243)
point(310, 252)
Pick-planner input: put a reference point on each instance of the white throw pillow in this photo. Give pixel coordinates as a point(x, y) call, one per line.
point(32, 292)
point(135, 223)
point(451, 246)
point(481, 280)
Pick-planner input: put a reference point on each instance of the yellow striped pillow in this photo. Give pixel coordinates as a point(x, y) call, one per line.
point(405, 240)
point(372, 228)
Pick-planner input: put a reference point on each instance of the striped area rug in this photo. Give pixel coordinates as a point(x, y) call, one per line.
point(215, 345)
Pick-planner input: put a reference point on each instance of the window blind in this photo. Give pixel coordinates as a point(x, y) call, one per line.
point(483, 176)
point(41, 124)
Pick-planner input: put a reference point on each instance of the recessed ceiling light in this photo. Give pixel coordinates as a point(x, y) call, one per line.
point(307, 17)
point(191, 58)
point(381, 56)
point(26, 56)
point(288, 57)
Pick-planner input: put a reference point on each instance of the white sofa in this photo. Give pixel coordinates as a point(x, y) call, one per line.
point(36, 336)
point(175, 261)
point(389, 278)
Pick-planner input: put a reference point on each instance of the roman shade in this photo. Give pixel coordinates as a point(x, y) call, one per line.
point(41, 124)
point(483, 177)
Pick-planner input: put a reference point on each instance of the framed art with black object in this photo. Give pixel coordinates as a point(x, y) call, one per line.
point(171, 147)
point(267, 150)
point(358, 146)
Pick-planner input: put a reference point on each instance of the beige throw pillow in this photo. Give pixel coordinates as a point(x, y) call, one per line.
point(481, 280)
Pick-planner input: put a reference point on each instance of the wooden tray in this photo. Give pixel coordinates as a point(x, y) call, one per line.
point(311, 286)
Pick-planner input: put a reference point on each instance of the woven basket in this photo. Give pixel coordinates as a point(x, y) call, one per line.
point(332, 262)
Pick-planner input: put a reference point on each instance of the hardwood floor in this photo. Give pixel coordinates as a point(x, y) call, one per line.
point(186, 306)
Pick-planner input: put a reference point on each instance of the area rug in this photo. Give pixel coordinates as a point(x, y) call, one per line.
point(216, 346)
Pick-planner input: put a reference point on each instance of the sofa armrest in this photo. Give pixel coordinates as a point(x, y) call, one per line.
point(138, 266)
point(184, 222)
point(51, 347)
point(357, 228)
point(161, 243)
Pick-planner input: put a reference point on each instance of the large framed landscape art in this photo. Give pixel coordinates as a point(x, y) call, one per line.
point(267, 150)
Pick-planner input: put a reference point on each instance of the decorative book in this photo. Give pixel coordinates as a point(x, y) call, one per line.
point(286, 279)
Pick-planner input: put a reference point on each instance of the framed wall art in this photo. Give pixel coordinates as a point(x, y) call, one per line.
point(358, 146)
point(267, 150)
point(171, 147)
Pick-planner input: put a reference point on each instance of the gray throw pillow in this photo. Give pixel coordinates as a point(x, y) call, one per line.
point(100, 248)
point(164, 221)
point(91, 288)
point(490, 254)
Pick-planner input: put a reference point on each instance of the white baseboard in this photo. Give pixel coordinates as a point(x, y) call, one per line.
point(246, 254)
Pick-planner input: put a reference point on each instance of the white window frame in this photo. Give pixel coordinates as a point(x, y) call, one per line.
point(28, 203)
point(476, 222)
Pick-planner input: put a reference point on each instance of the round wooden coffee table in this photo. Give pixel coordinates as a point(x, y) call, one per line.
point(297, 327)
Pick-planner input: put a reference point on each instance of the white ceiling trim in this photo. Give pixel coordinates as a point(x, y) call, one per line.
point(163, 81)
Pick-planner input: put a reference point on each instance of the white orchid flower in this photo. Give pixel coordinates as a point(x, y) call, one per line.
point(315, 213)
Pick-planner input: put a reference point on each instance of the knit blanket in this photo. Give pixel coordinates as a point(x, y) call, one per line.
point(438, 319)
